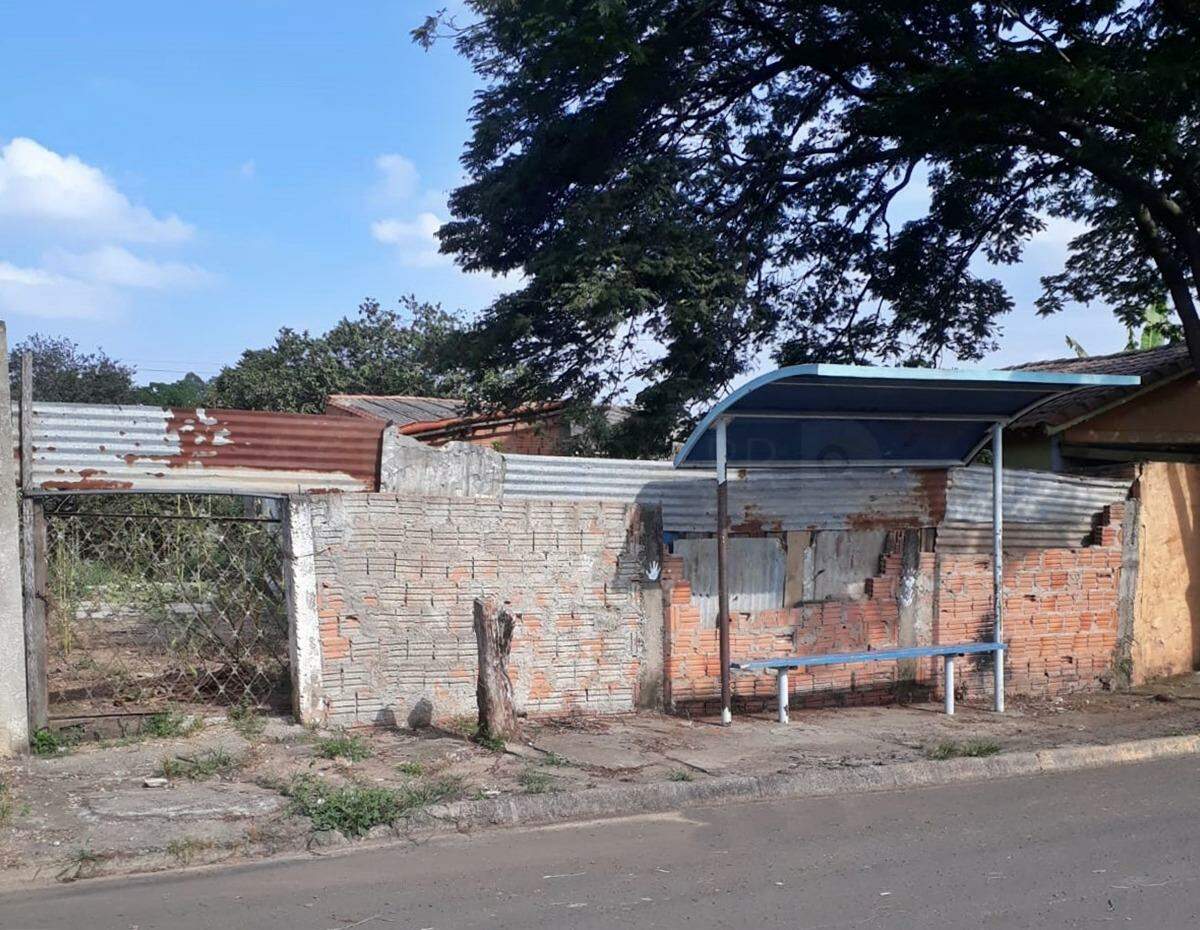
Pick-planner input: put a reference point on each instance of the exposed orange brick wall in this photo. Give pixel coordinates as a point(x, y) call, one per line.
point(1060, 614)
point(1060, 625)
point(691, 655)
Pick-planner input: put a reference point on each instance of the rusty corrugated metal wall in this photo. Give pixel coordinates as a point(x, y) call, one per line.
point(1039, 507)
point(103, 447)
point(801, 499)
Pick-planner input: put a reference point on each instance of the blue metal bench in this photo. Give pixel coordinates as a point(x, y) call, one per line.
point(781, 666)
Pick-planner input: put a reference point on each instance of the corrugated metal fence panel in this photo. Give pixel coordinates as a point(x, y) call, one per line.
point(1030, 496)
point(802, 499)
point(757, 569)
point(98, 447)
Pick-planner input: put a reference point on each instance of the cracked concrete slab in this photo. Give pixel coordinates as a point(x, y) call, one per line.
point(185, 802)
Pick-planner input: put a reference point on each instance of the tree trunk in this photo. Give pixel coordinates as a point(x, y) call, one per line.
point(493, 692)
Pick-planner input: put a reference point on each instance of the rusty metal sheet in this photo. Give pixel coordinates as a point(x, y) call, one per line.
point(759, 501)
point(104, 447)
point(1030, 496)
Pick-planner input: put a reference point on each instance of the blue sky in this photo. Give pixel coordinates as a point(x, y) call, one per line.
point(178, 181)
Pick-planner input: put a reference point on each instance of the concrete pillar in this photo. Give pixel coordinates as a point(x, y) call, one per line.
point(304, 630)
point(14, 716)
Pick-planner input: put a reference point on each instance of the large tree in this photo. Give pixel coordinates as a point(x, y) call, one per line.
point(688, 185)
point(64, 373)
point(380, 351)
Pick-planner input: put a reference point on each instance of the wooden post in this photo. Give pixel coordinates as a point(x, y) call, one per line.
point(493, 691)
point(33, 558)
point(722, 571)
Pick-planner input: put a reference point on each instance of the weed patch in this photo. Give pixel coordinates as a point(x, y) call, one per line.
point(46, 742)
point(213, 763)
point(534, 782)
point(246, 719)
point(354, 809)
point(186, 849)
point(343, 746)
point(170, 723)
point(679, 775)
point(971, 749)
point(7, 803)
point(81, 864)
point(412, 769)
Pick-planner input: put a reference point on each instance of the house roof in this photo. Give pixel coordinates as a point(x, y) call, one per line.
point(1153, 366)
point(400, 409)
point(420, 415)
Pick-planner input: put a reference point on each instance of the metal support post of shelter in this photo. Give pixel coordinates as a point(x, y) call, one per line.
point(722, 569)
point(998, 558)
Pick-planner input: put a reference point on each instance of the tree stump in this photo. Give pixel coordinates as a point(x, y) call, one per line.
point(493, 692)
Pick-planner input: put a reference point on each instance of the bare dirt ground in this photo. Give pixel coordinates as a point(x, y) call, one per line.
point(237, 789)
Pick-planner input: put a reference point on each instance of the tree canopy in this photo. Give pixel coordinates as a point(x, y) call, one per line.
point(380, 351)
point(690, 186)
point(63, 373)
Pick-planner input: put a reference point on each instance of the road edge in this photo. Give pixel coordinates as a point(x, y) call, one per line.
point(623, 801)
point(626, 800)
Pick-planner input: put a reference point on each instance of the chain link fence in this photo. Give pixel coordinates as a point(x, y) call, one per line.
point(156, 601)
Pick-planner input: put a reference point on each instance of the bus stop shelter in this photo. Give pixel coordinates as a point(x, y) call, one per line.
point(848, 416)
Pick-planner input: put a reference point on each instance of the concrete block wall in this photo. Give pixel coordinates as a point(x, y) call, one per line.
point(396, 579)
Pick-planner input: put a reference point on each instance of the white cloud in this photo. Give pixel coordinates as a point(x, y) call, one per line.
point(70, 197)
point(41, 293)
point(400, 178)
point(118, 267)
point(415, 240)
point(45, 195)
point(248, 169)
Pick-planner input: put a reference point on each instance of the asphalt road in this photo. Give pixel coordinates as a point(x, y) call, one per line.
point(1117, 846)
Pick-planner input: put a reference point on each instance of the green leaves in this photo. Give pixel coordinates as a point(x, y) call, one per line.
point(690, 188)
point(414, 351)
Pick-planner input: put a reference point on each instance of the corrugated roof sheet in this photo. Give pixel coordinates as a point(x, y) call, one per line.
point(399, 409)
point(1151, 365)
point(99, 447)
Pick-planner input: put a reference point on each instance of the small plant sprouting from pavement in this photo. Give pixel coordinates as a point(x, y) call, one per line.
point(81, 864)
point(555, 760)
point(46, 742)
point(7, 804)
point(213, 763)
point(468, 728)
point(490, 743)
point(354, 809)
point(187, 848)
point(246, 719)
point(534, 782)
point(347, 746)
point(170, 723)
point(971, 749)
point(679, 775)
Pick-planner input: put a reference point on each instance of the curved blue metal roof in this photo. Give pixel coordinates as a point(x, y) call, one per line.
point(839, 415)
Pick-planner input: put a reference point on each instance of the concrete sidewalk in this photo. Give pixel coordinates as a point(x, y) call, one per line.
point(235, 790)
